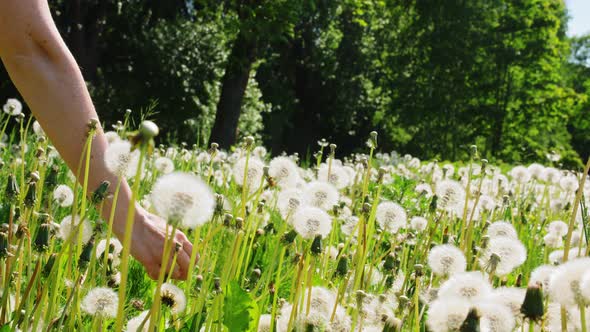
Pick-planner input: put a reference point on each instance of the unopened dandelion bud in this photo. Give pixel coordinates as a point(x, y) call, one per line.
point(3, 245)
point(34, 176)
point(31, 196)
point(403, 300)
point(227, 219)
point(366, 208)
point(255, 276)
point(433, 204)
point(137, 304)
point(12, 190)
point(22, 231)
point(100, 193)
point(272, 289)
point(419, 270)
point(389, 281)
point(471, 322)
point(260, 207)
point(373, 137)
point(39, 152)
point(248, 142)
point(213, 149)
point(360, 295)
point(389, 263)
point(289, 237)
point(381, 173)
point(484, 163)
point(148, 129)
point(316, 245)
point(49, 265)
point(93, 124)
point(239, 223)
point(86, 254)
point(217, 284)
point(533, 306)
point(342, 267)
point(51, 178)
point(41, 242)
point(199, 281)
point(473, 150)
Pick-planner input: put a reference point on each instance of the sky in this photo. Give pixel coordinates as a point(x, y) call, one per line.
point(579, 11)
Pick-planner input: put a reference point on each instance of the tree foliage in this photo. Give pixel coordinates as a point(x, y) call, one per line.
point(431, 77)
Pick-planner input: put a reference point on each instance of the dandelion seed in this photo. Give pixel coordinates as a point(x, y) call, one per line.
point(102, 302)
point(173, 298)
point(183, 198)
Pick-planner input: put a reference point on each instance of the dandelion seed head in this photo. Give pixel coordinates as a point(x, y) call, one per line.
point(37, 129)
point(511, 297)
point(173, 298)
point(133, 325)
point(446, 260)
point(418, 223)
point(520, 174)
point(120, 160)
point(13, 107)
point(288, 201)
point(338, 177)
point(63, 195)
point(471, 286)
point(164, 165)
point(391, 216)
point(284, 171)
point(447, 314)
point(184, 198)
point(310, 222)
point(69, 225)
point(501, 228)
point(451, 195)
point(564, 284)
point(253, 175)
point(102, 302)
point(557, 227)
point(511, 251)
point(495, 317)
point(321, 195)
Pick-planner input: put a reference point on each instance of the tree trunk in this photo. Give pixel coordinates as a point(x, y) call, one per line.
point(233, 88)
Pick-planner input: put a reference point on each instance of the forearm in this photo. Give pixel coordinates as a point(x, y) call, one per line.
point(46, 75)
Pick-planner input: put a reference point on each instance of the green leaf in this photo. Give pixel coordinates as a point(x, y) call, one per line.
point(5, 328)
point(239, 309)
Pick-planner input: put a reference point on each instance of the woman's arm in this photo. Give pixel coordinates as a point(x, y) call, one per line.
point(47, 76)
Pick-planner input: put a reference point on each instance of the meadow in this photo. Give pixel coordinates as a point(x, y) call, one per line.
point(376, 241)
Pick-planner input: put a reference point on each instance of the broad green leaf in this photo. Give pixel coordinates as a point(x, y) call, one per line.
point(239, 309)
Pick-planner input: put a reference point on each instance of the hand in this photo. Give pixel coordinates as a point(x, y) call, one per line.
point(147, 245)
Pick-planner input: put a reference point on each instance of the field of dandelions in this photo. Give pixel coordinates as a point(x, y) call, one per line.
point(371, 242)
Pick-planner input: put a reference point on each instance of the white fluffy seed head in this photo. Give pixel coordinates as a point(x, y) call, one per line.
point(284, 171)
point(63, 195)
point(13, 107)
point(37, 129)
point(68, 225)
point(102, 302)
point(120, 160)
point(451, 195)
point(542, 275)
point(558, 228)
point(321, 195)
point(510, 297)
point(470, 286)
point(447, 314)
point(133, 325)
point(310, 222)
point(338, 176)
point(446, 260)
point(288, 201)
point(520, 174)
point(164, 165)
point(511, 251)
point(418, 223)
point(183, 198)
point(495, 317)
point(391, 216)
point(553, 240)
point(253, 174)
point(501, 228)
point(173, 297)
point(564, 284)
point(114, 243)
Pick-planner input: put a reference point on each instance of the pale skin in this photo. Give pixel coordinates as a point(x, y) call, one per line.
point(47, 76)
